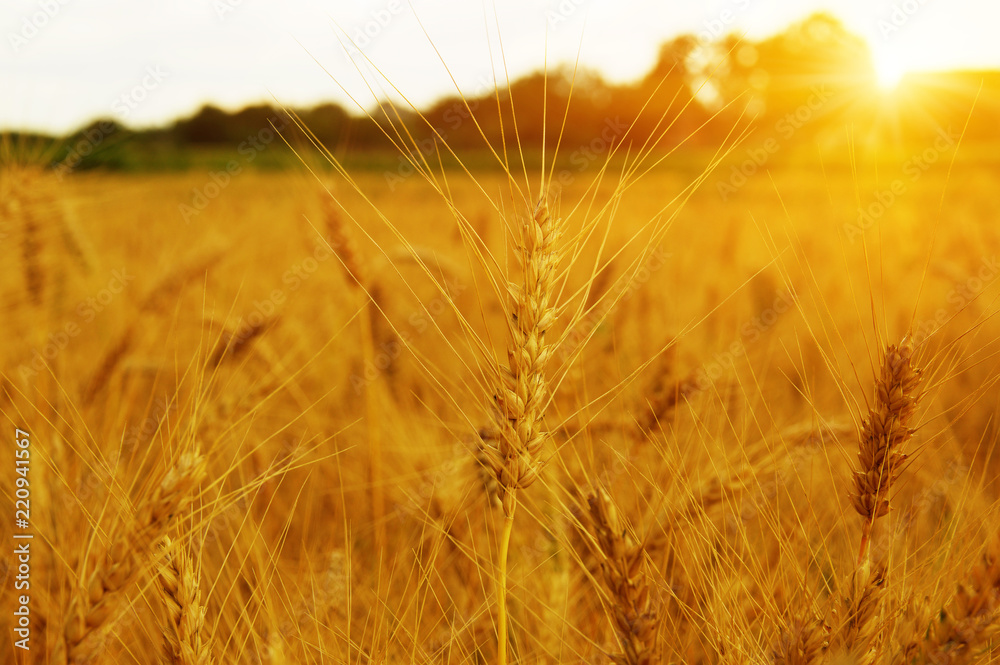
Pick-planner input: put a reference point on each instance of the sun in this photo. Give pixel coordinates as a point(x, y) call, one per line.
point(890, 69)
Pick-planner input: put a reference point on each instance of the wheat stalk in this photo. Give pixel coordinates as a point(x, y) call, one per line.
point(635, 613)
point(342, 243)
point(94, 609)
point(883, 433)
point(522, 389)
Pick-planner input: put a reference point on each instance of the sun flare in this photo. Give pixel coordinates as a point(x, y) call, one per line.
point(890, 68)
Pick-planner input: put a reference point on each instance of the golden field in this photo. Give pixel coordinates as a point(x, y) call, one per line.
point(261, 434)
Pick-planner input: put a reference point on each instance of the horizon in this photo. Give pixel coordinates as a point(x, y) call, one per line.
point(141, 79)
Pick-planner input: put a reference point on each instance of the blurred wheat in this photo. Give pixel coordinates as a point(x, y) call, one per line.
point(292, 445)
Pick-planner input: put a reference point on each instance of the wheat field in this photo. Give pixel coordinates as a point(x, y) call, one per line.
point(489, 414)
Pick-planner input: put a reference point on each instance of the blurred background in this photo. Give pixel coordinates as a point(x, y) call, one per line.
point(121, 85)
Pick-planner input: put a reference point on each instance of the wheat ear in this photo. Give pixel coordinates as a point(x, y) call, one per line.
point(109, 363)
point(94, 609)
point(179, 587)
point(856, 638)
point(31, 247)
point(883, 433)
point(342, 243)
point(804, 643)
point(636, 617)
point(959, 632)
point(233, 343)
point(522, 389)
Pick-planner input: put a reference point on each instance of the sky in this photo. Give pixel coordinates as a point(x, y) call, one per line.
point(64, 63)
